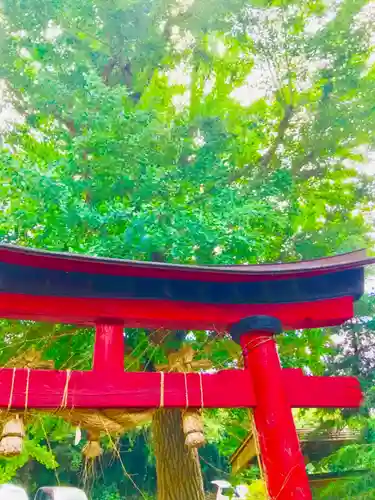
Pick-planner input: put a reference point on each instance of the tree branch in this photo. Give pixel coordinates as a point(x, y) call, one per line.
point(264, 161)
point(267, 158)
point(108, 68)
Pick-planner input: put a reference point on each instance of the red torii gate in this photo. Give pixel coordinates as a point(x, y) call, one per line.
point(252, 302)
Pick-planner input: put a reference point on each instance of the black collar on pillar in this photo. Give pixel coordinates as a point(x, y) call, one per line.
point(258, 323)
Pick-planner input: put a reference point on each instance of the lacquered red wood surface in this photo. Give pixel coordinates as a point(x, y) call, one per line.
point(321, 392)
point(109, 348)
point(112, 389)
point(171, 314)
point(83, 263)
point(280, 452)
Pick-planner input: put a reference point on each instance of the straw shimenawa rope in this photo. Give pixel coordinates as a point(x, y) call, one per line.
point(95, 421)
point(183, 361)
point(12, 437)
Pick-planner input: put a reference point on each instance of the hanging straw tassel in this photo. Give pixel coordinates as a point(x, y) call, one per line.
point(192, 424)
point(12, 438)
point(92, 449)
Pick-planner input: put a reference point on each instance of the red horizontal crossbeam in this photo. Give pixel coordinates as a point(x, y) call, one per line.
point(224, 389)
point(171, 314)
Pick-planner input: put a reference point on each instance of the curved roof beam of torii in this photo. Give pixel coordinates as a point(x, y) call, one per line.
point(71, 288)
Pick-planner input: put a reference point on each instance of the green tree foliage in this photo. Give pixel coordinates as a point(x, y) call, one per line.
point(182, 166)
point(213, 132)
point(354, 355)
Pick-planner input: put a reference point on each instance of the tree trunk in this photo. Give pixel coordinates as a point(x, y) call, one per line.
point(178, 470)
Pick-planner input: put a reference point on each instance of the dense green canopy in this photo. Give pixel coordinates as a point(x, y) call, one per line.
point(224, 132)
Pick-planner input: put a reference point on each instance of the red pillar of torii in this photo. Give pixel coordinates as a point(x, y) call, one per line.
point(253, 303)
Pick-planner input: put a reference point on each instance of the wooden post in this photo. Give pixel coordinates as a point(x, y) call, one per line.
point(281, 456)
point(109, 348)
